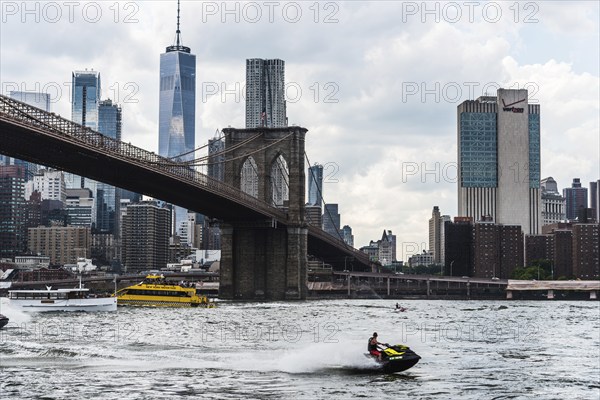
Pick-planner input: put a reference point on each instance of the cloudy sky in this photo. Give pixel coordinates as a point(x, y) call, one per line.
point(376, 83)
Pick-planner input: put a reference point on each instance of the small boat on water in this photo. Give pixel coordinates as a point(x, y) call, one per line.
point(155, 291)
point(396, 358)
point(77, 299)
point(3, 321)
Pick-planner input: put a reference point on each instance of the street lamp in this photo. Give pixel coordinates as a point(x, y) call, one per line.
point(346, 259)
point(451, 262)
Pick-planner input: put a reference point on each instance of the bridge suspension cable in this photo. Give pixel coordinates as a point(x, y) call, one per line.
point(196, 149)
point(244, 155)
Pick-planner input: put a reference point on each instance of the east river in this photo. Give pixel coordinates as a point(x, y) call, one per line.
point(305, 350)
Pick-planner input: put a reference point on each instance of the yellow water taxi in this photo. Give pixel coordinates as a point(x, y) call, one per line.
point(154, 291)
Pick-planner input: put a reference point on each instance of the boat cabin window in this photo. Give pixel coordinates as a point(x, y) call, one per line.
point(169, 293)
point(38, 296)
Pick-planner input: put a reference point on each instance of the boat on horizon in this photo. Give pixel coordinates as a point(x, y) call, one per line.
point(75, 299)
point(155, 291)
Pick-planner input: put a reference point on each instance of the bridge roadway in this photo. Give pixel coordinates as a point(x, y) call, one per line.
point(34, 135)
point(431, 278)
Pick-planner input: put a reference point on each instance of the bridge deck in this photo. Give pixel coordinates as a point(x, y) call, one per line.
point(518, 285)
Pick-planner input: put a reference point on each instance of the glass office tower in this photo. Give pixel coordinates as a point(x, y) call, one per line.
point(85, 98)
point(177, 108)
point(315, 185)
point(107, 196)
point(499, 160)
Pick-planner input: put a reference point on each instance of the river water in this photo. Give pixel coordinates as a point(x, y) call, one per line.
point(305, 350)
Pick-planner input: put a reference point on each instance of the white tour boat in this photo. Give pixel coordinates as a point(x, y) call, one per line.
point(77, 299)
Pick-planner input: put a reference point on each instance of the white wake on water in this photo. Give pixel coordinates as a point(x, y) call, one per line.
point(306, 358)
point(16, 316)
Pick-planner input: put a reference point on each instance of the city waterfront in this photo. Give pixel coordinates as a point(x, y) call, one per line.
point(306, 350)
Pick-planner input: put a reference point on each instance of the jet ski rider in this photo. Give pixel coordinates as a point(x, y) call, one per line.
point(373, 343)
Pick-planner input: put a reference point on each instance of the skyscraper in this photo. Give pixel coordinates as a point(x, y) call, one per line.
point(109, 119)
point(434, 234)
point(265, 93)
point(349, 237)
point(177, 108)
point(315, 185)
point(35, 99)
point(12, 211)
point(107, 196)
point(85, 98)
point(216, 160)
point(499, 159)
point(595, 198)
point(553, 203)
point(146, 228)
point(331, 220)
point(576, 198)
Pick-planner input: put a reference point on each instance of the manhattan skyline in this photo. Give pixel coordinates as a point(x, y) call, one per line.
point(378, 98)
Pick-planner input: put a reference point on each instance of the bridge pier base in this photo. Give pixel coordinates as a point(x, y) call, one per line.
point(509, 295)
point(550, 294)
point(593, 295)
point(262, 262)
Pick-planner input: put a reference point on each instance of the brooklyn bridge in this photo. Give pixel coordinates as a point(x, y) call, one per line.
point(265, 244)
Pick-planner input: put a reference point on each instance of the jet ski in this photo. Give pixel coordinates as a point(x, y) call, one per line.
point(396, 358)
point(3, 321)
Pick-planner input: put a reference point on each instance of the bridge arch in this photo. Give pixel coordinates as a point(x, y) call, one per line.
point(249, 177)
point(280, 178)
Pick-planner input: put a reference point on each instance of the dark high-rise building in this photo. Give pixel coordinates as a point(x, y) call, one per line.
point(586, 251)
point(486, 254)
point(498, 250)
point(315, 185)
point(499, 159)
point(265, 93)
point(13, 237)
point(511, 249)
point(33, 210)
point(538, 247)
point(563, 253)
point(331, 220)
point(458, 243)
point(595, 198)
point(576, 198)
point(145, 237)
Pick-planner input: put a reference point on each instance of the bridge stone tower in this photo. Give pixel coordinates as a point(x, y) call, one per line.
point(266, 259)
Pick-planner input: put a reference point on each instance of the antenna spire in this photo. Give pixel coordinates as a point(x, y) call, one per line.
point(178, 31)
point(178, 46)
